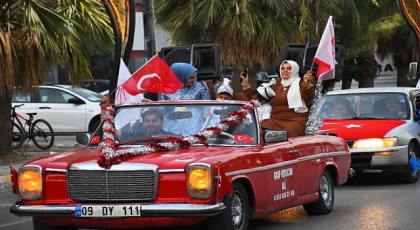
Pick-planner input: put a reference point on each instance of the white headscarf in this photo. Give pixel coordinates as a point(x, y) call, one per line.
point(266, 91)
point(224, 87)
point(294, 98)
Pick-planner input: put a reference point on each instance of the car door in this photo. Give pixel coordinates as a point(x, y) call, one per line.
point(63, 116)
point(310, 166)
point(29, 103)
point(282, 179)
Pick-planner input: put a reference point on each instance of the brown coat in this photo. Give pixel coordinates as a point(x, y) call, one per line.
point(283, 118)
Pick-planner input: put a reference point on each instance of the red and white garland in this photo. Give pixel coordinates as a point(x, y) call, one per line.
point(110, 155)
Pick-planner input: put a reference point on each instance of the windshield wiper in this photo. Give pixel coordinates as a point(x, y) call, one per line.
point(150, 139)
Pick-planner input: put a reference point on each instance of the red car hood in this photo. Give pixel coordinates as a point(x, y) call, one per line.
point(165, 160)
point(359, 129)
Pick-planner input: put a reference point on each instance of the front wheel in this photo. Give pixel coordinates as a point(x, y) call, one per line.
point(42, 134)
point(325, 202)
point(410, 175)
point(18, 136)
point(237, 213)
point(39, 225)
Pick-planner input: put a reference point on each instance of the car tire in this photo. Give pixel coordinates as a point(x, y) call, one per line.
point(95, 126)
point(227, 220)
point(39, 225)
point(325, 202)
point(408, 177)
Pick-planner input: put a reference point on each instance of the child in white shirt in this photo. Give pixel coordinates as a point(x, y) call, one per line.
point(263, 95)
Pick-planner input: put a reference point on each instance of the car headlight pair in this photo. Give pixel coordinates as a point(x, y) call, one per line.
point(376, 142)
point(199, 181)
point(30, 182)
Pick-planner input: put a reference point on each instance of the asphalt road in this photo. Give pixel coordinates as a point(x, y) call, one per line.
point(373, 203)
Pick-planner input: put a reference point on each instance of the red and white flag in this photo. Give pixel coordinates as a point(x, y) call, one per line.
point(325, 54)
point(122, 97)
point(154, 77)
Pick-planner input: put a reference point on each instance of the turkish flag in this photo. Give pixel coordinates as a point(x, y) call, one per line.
point(240, 138)
point(154, 77)
point(325, 54)
point(122, 97)
point(14, 179)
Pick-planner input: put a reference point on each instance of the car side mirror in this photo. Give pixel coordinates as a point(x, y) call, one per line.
point(275, 136)
point(412, 71)
point(86, 138)
point(75, 100)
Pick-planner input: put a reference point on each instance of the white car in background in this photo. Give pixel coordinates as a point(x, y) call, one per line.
point(103, 93)
point(68, 109)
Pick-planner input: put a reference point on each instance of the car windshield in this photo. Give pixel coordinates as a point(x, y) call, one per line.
point(135, 124)
point(365, 106)
point(88, 94)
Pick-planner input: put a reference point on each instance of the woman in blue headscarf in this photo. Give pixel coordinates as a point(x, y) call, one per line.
point(192, 90)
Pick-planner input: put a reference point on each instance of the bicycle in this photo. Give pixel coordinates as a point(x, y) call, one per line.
point(33, 130)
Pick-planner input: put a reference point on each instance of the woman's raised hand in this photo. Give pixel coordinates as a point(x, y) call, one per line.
point(244, 80)
point(104, 101)
point(307, 78)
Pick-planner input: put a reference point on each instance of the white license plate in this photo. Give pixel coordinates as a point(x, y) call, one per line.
point(108, 211)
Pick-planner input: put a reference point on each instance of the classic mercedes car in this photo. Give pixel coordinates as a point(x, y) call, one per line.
point(380, 125)
point(166, 164)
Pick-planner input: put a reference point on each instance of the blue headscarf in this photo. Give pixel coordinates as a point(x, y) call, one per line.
point(183, 71)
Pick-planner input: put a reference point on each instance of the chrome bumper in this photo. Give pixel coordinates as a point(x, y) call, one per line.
point(148, 210)
point(352, 173)
point(400, 158)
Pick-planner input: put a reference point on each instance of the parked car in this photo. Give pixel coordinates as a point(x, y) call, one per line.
point(240, 175)
point(379, 124)
point(68, 109)
point(103, 93)
point(96, 85)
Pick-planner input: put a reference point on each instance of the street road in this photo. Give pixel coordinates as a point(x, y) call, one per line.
point(374, 203)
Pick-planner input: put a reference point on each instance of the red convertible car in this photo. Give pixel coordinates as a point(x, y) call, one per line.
point(181, 163)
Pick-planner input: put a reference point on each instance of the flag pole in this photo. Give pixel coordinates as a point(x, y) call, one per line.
point(192, 54)
point(304, 57)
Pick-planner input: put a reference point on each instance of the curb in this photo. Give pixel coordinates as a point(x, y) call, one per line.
point(5, 181)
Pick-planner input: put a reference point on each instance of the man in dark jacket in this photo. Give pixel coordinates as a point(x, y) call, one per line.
point(151, 126)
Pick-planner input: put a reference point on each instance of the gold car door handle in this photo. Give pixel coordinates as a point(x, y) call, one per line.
point(293, 151)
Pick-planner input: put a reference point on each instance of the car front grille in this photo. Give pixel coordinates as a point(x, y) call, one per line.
point(121, 184)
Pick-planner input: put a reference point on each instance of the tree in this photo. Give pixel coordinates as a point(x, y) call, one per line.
point(396, 38)
point(251, 32)
point(34, 32)
point(356, 32)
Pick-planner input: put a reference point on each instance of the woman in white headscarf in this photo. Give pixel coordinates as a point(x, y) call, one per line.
point(290, 106)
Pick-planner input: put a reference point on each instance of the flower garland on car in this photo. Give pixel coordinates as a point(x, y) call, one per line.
point(110, 155)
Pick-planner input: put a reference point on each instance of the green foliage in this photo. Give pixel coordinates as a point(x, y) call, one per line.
point(249, 31)
point(57, 31)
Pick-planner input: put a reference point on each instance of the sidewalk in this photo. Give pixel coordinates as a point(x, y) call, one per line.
point(59, 142)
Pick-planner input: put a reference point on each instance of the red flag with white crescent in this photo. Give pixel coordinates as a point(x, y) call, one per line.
point(241, 138)
point(154, 77)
